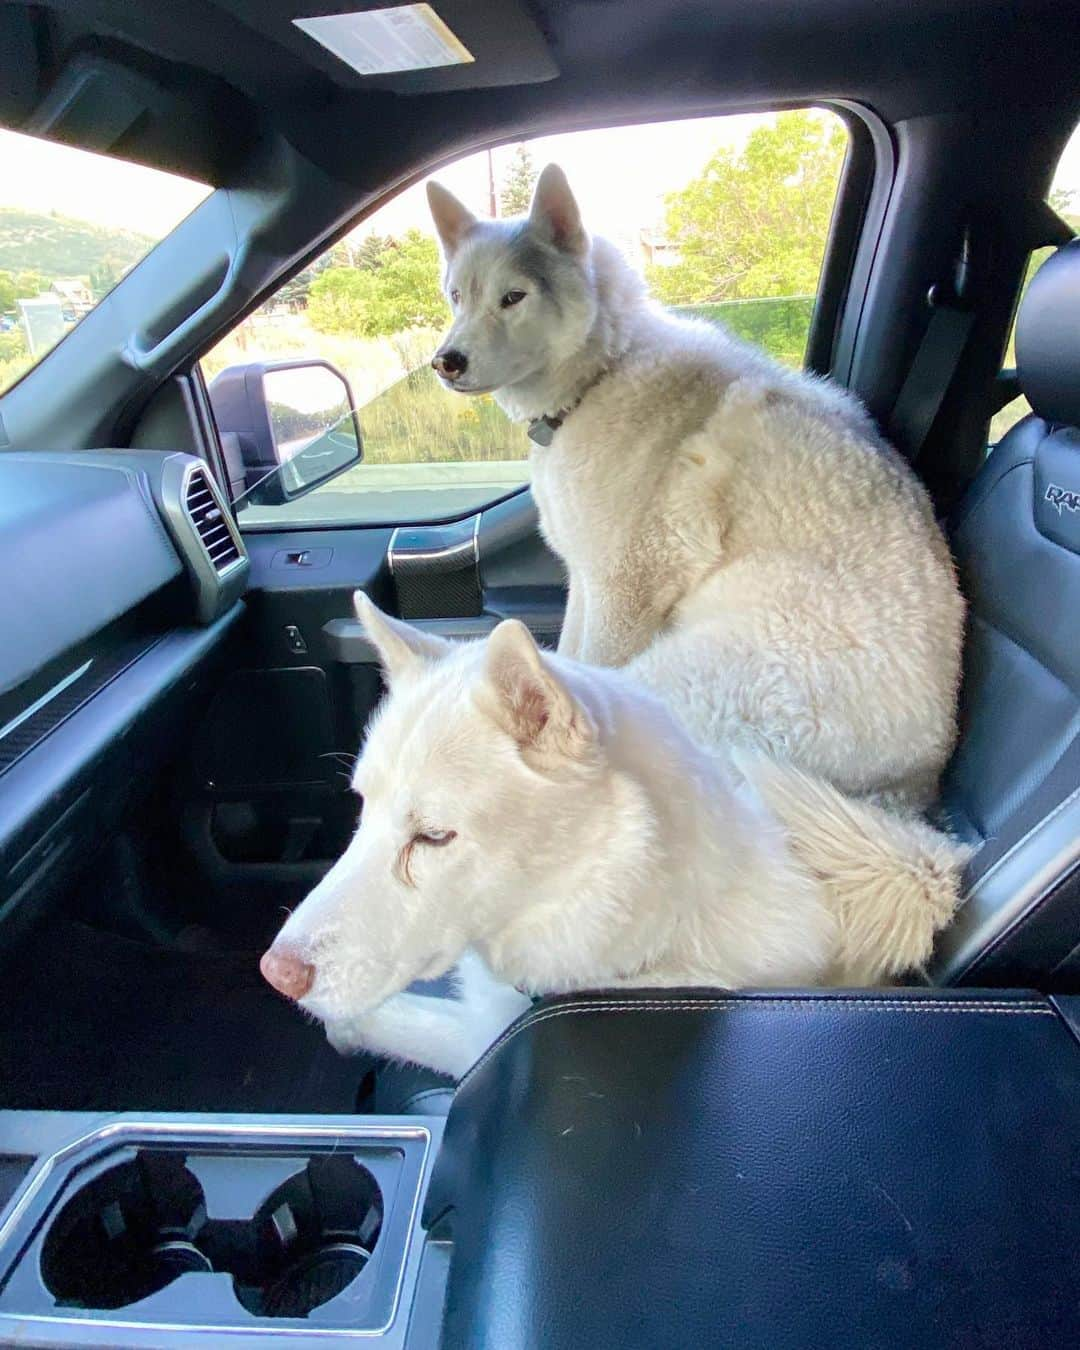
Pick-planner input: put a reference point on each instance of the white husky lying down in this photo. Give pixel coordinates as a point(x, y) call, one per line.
point(556, 821)
point(736, 532)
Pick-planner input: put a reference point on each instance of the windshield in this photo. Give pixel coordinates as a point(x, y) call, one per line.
point(72, 224)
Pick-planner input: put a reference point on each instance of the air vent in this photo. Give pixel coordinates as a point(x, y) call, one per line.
point(210, 522)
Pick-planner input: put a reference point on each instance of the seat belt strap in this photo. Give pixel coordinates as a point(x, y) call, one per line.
point(928, 380)
point(945, 340)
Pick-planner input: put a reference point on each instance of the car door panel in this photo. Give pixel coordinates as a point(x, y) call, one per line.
point(273, 752)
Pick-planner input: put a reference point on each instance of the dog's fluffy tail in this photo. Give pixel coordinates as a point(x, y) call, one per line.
point(891, 881)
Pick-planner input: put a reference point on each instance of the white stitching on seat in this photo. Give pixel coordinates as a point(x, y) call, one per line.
point(991, 1006)
point(411, 1102)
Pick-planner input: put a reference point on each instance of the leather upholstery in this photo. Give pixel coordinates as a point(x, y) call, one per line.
point(1048, 338)
point(1014, 783)
point(683, 1169)
point(408, 1090)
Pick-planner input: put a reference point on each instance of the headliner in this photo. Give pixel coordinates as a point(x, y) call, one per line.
point(227, 72)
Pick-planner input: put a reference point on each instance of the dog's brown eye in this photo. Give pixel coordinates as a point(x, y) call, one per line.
point(436, 838)
point(455, 296)
point(512, 298)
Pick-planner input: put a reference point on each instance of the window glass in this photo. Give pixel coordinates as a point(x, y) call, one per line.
point(72, 224)
point(727, 217)
point(1064, 198)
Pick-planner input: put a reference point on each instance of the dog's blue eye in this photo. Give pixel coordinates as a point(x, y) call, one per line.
point(512, 298)
point(436, 838)
point(455, 296)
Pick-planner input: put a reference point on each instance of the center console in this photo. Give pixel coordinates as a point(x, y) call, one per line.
point(621, 1171)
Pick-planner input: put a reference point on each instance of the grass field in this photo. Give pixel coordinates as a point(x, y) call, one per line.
point(406, 416)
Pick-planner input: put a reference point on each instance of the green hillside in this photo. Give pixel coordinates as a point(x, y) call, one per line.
point(57, 246)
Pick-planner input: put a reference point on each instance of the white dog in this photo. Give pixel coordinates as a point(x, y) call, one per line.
point(558, 823)
point(736, 532)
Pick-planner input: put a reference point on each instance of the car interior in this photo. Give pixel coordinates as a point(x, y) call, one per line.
point(183, 1157)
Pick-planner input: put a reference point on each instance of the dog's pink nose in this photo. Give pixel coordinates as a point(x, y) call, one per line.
point(287, 972)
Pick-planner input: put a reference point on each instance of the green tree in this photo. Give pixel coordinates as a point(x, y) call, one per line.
point(373, 251)
point(29, 284)
point(517, 190)
point(103, 278)
point(754, 221)
point(295, 292)
point(338, 300)
point(16, 286)
point(12, 346)
point(402, 292)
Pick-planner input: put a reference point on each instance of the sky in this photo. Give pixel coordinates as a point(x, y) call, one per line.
point(619, 175)
point(39, 175)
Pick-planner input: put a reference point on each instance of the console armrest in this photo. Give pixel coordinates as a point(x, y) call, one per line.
point(647, 1170)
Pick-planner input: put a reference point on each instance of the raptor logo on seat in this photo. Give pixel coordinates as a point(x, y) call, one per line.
point(1059, 497)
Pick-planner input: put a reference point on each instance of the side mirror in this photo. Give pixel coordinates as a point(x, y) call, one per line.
point(292, 424)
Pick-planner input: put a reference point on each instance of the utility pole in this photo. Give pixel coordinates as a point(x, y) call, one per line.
point(493, 204)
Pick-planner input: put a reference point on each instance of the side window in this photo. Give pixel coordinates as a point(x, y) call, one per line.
point(1064, 198)
point(726, 217)
point(72, 224)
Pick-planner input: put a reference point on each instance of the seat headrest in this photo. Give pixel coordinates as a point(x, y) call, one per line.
point(1048, 338)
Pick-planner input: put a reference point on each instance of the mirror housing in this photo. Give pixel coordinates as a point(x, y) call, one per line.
point(289, 427)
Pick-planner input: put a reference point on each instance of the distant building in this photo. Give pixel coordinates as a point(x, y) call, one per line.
point(42, 321)
point(76, 298)
point(657, 248)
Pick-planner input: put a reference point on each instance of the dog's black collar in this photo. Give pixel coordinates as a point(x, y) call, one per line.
point(542, 429)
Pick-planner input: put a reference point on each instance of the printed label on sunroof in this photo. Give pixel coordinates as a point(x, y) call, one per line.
point(380, 41)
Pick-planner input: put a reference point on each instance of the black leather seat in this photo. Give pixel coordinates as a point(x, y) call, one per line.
point(1014, 783)
point(679, 1170)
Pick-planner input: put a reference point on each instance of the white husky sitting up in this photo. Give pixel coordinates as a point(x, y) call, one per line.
point(556, 821)
point(736, 531)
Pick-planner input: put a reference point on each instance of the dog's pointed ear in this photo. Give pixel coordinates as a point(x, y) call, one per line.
point(528, 699)
point(401, 647)
point(554, 212)
point(453, 221)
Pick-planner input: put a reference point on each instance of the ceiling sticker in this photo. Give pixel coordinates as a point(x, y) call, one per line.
point(380, 41)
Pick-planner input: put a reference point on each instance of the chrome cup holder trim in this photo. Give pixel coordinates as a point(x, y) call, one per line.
point(197, 1133)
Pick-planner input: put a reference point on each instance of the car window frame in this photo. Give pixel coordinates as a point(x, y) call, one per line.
point(858, 214)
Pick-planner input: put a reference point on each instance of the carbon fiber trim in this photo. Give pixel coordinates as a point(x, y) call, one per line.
point(436, 570)
point(26, 731)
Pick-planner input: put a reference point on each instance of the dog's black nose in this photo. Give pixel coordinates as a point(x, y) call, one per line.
point(451, 363)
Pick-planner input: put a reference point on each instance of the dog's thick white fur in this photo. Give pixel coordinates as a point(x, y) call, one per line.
point(551, 826)
point(734, 531)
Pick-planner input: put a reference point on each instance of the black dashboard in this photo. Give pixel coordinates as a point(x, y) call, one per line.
point(122, 575)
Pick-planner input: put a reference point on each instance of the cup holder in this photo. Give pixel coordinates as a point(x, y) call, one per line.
point(126, 1234)
point(308, 1241)
point(143, 1223)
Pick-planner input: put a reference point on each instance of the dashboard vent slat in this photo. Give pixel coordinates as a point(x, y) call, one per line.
point(207, 518)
